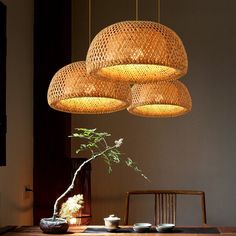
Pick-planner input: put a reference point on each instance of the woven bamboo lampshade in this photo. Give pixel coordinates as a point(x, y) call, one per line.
point(137, 52)
point(72, 90)
point(160, 99)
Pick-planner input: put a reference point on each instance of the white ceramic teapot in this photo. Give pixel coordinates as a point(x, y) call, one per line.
point(111, 222)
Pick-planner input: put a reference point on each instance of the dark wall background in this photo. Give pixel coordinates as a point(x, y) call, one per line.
point(3, 84)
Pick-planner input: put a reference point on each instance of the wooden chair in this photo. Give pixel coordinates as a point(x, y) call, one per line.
point(165, 204)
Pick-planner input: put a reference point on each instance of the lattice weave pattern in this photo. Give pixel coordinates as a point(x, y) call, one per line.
point(162, 99)
point(138, 52)
point(72, 90)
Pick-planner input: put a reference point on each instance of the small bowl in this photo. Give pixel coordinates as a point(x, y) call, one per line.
point(142, 227)
point(165, 227)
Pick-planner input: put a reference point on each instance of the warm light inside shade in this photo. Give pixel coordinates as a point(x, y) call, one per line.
point(85, 105)
point(154, 110)
point(133, 72)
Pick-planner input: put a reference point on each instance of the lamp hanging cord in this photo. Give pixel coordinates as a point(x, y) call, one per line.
point(158, 11)
point(136, 10)
point(89, 22)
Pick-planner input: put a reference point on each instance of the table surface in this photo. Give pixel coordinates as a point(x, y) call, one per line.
point(78, 231)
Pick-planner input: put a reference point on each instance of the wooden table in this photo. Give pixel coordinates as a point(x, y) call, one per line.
point(78, 231)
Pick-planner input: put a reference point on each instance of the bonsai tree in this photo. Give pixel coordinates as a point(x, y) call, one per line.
point(96, 143)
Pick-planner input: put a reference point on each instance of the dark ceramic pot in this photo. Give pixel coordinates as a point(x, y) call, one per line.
point(54, 225)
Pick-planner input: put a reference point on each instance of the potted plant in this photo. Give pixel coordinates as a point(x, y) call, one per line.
point(96, 143)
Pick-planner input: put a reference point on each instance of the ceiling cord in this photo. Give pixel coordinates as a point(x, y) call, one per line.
point(89, 22)
point(136, 10)
point(158, 11)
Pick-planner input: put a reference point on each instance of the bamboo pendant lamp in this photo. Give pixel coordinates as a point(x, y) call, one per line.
point(137, 52)
point(160, 99)
point(72, 90)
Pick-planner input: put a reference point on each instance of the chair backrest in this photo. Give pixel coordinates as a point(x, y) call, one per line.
point(165, 204)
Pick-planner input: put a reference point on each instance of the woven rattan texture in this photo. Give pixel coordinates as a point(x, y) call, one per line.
point(138, 52)
point(160, 99)
point(72, 90)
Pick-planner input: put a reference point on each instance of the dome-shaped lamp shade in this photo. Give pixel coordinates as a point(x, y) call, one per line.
point(72, 90)
point(160, 99)
point(137, 52)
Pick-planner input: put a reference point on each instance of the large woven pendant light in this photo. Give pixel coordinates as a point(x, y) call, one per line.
point(137, 52)
point(72, 90)
point(160, 99)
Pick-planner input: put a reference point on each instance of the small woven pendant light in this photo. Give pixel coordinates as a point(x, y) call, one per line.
point(72, 90)
point(160, 99)
point(137, 52)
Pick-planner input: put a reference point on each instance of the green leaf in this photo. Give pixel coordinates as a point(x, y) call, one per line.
point(129, 161)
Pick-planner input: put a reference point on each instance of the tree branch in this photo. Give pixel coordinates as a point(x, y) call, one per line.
point(74, 178)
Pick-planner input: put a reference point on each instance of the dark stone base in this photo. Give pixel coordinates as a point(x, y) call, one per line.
point(54, 226)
